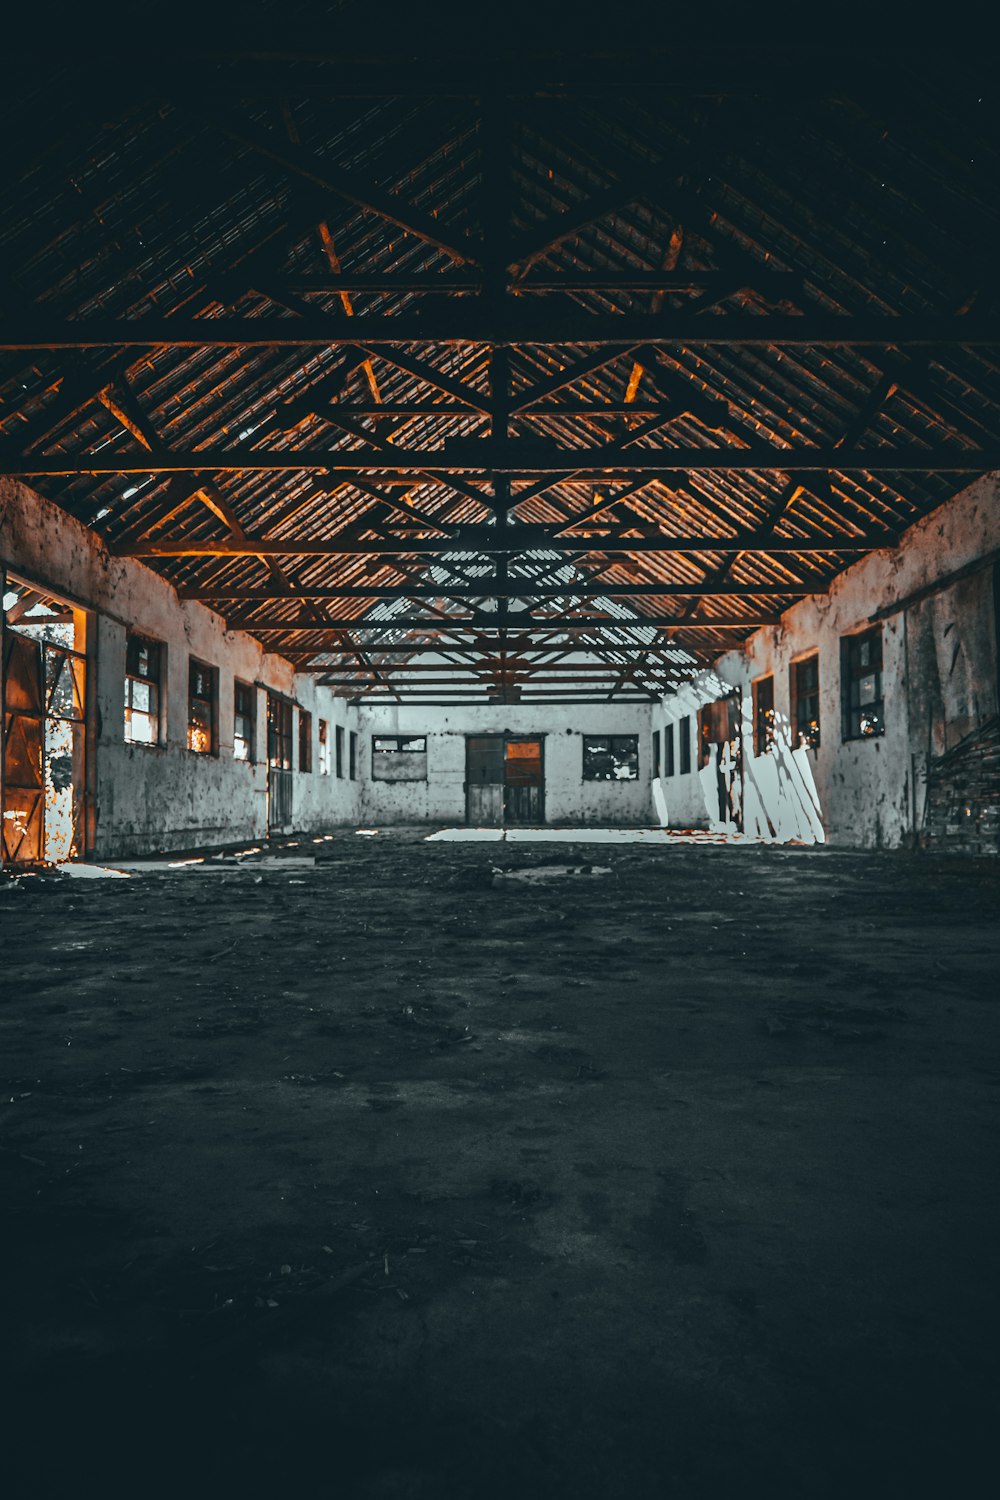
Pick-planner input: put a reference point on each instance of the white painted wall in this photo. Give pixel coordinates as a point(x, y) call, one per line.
point(939, 683)
point(568, 798)
point(149, 798)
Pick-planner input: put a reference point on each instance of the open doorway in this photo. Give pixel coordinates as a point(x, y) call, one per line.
point(42, 768)
point(504, 781)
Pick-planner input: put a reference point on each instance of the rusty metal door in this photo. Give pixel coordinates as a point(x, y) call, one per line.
point(23, 750)
point(524, 782)
point(484, 780)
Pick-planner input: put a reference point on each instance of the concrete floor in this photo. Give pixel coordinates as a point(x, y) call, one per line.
point(434, 1171)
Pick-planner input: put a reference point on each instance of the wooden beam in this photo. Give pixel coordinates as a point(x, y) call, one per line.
point(483, 620)
point(461, 321)
point(489, 540)
point(325, 175)
point(490, 588)
point(483, 455)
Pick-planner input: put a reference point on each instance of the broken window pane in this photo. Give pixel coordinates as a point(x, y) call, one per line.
point(397, 757)
point(610, 757)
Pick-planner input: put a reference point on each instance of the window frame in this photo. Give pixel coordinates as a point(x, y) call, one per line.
point(669, 753)
point(338, 742)
point(632, 753)
point(323, 736)
point(852, 647)
point(135, 637)
point(399, 744)
point(684, 744)
point(352, 755)
point(763, 714)
point(654, 766)
point(304, 758)
point(249, 713)
point(806, 735)
point(280, 733)
point(211, 698)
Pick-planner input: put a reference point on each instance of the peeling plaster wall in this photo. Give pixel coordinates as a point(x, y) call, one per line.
point(568, 798)
point(939, 686)
point(151, 798)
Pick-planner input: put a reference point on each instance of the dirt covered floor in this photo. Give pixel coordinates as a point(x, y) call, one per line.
point(433, 1171)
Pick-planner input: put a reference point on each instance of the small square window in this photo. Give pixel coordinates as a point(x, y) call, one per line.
point(610, 757)
point(399, 757)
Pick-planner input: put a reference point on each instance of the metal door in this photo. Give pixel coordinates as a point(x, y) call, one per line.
point(484, 781)
point(523, 790)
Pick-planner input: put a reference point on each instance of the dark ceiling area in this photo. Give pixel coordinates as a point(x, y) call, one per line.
point(493, 368)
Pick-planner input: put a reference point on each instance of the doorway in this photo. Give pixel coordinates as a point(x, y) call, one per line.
point(44, 727)
point(504, 781)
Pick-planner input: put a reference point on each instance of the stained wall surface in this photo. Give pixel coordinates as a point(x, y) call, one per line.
point(939, 641)
point(146, 798)
point(568, 798)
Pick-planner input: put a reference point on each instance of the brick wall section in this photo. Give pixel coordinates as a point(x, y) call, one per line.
point(962, 814)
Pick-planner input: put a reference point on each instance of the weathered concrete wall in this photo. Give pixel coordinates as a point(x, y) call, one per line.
point(148, 798)
point(568, 798)
point(939, 687)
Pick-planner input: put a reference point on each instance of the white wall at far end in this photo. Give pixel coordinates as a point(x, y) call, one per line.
point(568, 798)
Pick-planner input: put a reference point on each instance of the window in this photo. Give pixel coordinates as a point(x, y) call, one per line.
point(244, 720)
point(279, 733)
point(202, 700)
point(718, 725)
point(763, 715)
point(399, 757)
point(338, 731)
point(668, 750)
point(610, 757)
point(324, 748)
point(684, 739)
point(143, 668)
point(861, 684)
point(305, 740)
point(353, 756)
point(804, 686)
point(655, 761)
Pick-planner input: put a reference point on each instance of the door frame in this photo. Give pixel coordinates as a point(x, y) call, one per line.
point(507, 737)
